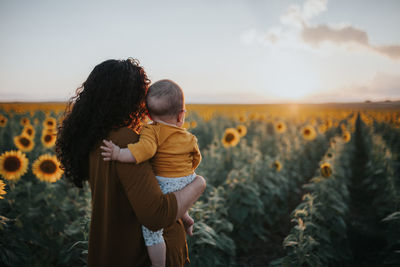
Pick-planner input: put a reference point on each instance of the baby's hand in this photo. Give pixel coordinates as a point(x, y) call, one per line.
point(110, 151)
point(188, 222)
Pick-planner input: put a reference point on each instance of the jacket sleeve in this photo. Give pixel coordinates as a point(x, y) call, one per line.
point(146, 147)
point(152, 208)
point(196, 154)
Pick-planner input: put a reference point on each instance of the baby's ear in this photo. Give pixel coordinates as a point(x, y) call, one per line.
point(181, 116)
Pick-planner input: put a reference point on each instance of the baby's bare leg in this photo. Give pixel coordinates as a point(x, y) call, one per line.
point(157, 254)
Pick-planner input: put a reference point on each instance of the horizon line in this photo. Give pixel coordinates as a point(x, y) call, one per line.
point(234, 103)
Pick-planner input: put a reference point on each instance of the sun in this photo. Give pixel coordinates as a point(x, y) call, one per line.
point(292, 77)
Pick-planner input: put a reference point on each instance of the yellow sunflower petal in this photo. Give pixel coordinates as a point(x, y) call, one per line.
point(3, 121)
point(2, 191)
point(24, 142)
point(326, 169)
point(186, 125)
point(276, 165)
point(309, 132)
point(346, 136)
point(47, 168)
point(48, 139)
point(242, 130)
point(280, 127)
point(231, 137)
point(13, 164)
point(29, 130)
point(50, 122)
point(193, 124)
point(25, 121)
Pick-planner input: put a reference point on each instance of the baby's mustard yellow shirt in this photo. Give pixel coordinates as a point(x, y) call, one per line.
point(173, 151)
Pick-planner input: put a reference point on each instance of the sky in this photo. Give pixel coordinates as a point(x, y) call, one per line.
point(218, 51)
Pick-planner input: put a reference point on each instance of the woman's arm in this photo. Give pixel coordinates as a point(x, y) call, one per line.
point(152, 208)
point(188, 195)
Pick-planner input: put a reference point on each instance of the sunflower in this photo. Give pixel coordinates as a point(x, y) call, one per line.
point(254, 116)
point(25, 121)
point(50, 130)
point(48, 139)
point(50, 122)
point(47, 168)
point(276, 165)
point(29, 131)
point(280, 127)
point(242, 130)
point(186, 125)
point(242, 118)
point(346, 136)
point(2, 191)
point(231, 137)
point(309, 133)
point(24, 142)
point(13, 164)
point(193, 124)
point(322, 128)
point(326, 169)
point(328, 123)
point(3, 121)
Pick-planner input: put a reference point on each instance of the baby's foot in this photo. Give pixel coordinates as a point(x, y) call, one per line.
point(188, 223)
point(189, 230)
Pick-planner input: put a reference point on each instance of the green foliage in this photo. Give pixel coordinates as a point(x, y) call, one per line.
point(41, 222)
point(311, 220)
point(319, 235)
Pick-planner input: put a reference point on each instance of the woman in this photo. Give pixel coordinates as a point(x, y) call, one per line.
point(110, 105)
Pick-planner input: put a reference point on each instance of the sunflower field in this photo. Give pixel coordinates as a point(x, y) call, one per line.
point(287, 185)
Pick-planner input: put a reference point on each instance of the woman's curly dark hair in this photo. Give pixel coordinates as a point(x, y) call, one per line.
point(113, 96)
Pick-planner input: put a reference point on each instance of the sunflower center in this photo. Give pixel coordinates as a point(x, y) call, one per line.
point(12, 164)
point(25, 141)
point(48, 167)
point(307, 132)
point(29, 131)
point(2, 121)
point(47, 138)
point(50, 123)
point(229, 137)
point(279, 126)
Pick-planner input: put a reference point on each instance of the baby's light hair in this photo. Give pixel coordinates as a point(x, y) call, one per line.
point(164, 99)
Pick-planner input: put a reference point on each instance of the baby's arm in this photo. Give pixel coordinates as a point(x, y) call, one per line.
point(114, 152)
point(138, 152)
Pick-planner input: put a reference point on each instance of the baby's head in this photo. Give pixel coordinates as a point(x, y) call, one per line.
point(165, 101)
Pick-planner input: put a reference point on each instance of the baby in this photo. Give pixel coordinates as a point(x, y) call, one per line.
point(173, 151)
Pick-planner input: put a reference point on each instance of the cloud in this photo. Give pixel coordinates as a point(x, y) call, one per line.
point(297, 15)
point(313, 8)
point(392, 51)
point(344, 35)
point(296, 28)
point(321, 33)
